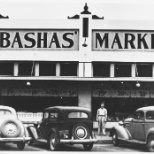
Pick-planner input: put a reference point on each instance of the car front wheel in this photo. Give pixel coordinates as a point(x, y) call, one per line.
point(21, 145)
point(53, 142)
point(115, 139)
point(150, 143)
point(88, 147)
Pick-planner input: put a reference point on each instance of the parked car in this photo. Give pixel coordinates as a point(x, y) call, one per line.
point(139, 129)
point(11, 128)
point(65, 125)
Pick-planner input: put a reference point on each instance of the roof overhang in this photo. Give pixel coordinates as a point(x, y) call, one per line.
point(49, 78)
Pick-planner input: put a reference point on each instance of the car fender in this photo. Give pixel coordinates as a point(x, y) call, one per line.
point(33, 132)
point(122, 133)
point(55, 130)
point(149, 132)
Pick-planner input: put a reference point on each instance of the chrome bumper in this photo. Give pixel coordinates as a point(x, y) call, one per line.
point(17, 139)
point(78, 141)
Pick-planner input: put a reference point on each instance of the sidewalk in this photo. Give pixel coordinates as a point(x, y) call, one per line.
point(103, 139)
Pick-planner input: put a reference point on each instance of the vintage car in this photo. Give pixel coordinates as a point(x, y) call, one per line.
point(11, 128)
point(65, 125)
point(139, 129)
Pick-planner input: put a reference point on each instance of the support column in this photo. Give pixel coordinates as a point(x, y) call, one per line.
point(36, 69)
point(84, 95)
point(16, 69)
point(152, 70)
point(88, 70)
point(57, 69)
point(133, 70)
point(112, 70)
point(81, 69)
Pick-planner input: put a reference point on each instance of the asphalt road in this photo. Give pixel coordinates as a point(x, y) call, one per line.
point(78, 148)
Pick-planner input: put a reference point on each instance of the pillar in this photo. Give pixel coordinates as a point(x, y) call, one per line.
point(88, 69)
point(133, 70)
point(36, 69)
point(15, 69)
point(152, 70)
point(84, 95)
point(57, 69)
point(81, 69)
point(112, 66)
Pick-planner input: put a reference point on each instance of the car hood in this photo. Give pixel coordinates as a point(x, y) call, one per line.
point(128, 119)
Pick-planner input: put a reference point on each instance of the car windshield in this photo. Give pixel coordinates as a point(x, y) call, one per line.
point(139, 115)
point(4, 112)
point(77, 115)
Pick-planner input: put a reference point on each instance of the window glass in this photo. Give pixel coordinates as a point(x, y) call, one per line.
point(46, 115)
point(77, 115)
point(150, 115)
point(5, 112)
point(144, 70)
point(47, 69)
point(26, 69)
point(101, 70)
point(68, 69)
point(6, 68)
point(53, 115)
point(123, 70)
point(139, 115)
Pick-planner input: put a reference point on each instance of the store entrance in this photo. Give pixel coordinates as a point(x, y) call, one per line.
point(37, 104)
point(120, 108)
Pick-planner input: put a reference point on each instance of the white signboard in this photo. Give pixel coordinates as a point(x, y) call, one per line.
point(104, 40)
point(38, 39)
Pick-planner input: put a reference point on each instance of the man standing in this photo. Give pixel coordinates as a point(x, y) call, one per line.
point(101, 117)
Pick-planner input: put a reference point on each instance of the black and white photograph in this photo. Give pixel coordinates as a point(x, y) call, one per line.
point(76, 76)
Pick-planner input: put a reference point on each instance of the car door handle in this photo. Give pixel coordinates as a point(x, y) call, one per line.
point(142, 123)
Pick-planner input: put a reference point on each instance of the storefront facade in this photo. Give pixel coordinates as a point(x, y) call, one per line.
point(79, 61)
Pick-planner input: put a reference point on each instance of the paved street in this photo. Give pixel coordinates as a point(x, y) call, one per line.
point(97, 147)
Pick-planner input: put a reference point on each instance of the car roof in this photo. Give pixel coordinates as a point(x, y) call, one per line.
point(68, 108)
point(147, 108)
point(13, 111)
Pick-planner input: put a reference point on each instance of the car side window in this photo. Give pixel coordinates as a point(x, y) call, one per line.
point(139, 115)
point(77, 115)
point(150, 115)
point(46, 115)
point(53, 115)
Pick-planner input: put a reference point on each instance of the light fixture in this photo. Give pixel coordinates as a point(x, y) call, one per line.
point(138, 84)
point(28, 83)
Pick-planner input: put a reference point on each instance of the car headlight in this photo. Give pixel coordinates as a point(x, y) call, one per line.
point(10, 128)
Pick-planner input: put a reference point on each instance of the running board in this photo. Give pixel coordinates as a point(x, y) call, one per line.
point(133, 141)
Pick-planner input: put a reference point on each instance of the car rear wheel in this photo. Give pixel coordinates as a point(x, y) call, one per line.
point(88, 147)
point(21, 145)
point(150, 143)
point(53, 142)
point(115, 139)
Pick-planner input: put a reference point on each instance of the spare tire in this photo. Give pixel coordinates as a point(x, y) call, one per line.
point(80, 131)
point(11, 128)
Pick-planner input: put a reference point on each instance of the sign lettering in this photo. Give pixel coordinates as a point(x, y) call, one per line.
point(103, 40)
point(39, 39)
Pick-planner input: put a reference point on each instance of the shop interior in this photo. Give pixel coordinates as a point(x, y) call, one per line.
point(120, 108)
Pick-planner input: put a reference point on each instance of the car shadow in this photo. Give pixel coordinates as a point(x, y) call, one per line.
point(133, 146)
point(63, 147)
